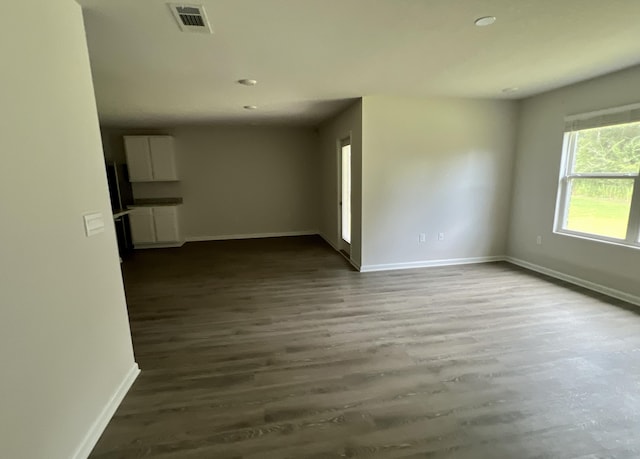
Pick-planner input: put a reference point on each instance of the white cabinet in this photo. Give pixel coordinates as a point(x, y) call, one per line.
point(162, 158)
point(138, 158)
point(155, 226)
point(150, 158)
point(143, 230)
point(166, 221)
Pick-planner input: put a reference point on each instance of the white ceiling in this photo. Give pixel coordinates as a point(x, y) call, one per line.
point(309, 56)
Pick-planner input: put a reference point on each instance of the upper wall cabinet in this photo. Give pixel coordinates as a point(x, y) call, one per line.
point(150, 158)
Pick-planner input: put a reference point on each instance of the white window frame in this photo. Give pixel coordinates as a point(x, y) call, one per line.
point(573, 125)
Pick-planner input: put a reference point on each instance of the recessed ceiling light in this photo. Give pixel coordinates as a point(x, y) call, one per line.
point(250, 107)
point(485, 21)
point(509, 90)
point(248, 82)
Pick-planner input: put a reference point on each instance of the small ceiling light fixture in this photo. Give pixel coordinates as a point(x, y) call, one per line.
point(510, 90)
point(248, 82)
point(485, 21)
point(250, 107)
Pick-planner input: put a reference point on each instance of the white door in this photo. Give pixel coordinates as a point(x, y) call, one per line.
point(166, 220)
point(345, 195)
point(142, 226)
point(163, 158)
point(138, 158)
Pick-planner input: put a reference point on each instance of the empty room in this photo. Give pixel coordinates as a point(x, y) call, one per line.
point(271, 229)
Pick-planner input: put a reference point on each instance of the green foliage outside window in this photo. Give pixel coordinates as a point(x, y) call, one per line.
point(612, 150)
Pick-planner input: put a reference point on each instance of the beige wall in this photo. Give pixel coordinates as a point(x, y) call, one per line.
point(431, 166)
point(65, 345)
point(348, 123)
point(536, 180)
point(237, 181)
point(247, 180)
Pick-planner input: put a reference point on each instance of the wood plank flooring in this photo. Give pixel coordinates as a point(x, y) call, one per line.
point(277, 349)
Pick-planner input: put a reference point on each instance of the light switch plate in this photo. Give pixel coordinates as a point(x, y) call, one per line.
point(93, 224)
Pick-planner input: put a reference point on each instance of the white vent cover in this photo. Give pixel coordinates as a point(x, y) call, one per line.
point(191, 18)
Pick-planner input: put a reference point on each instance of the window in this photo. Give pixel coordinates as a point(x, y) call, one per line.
point(599, 192)
point(345, 200)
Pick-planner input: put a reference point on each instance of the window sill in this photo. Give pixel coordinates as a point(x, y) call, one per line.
point(599, 239)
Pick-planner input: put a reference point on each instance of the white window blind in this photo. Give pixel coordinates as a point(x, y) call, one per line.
point(600, 118)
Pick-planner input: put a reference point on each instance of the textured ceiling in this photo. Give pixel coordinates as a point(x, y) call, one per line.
point(310, 56)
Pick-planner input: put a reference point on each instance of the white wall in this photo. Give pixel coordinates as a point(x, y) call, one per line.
point(537, 170)
point(431, 166)
point(348, 123)
point(65, 345)
point(237, 181)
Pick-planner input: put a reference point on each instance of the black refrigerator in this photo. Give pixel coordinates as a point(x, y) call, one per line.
point(121, 196)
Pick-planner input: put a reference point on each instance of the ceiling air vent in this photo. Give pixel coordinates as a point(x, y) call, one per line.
point(191, 18)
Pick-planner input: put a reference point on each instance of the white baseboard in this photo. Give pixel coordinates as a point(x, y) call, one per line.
point(160, 245)
point(353, 263)
point(226, 237)
point(430, 263)
point(618, 294)
point(98, 426)
point(328, 241)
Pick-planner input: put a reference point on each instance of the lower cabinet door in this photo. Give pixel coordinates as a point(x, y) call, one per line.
point(166, 220)
point(142, 225)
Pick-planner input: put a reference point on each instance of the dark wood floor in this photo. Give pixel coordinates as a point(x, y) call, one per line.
point(277, 349)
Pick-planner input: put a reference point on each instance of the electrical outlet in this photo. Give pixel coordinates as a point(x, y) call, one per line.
point(539, 240)
point(422, 237)
point(441, 236)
